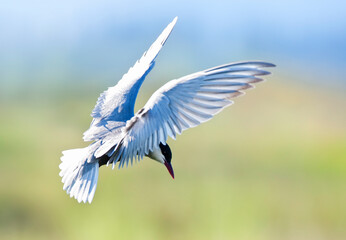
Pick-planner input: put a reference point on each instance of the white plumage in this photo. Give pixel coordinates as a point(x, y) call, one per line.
point(120, 136)
point(79, 176)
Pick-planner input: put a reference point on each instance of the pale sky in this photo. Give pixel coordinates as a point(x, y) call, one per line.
point(39, 37)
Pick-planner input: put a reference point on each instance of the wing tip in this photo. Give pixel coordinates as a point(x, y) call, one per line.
point(168, 29)
point(271, 65)
point(175, 20)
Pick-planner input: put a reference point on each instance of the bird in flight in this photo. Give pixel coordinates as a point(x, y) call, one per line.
point(120, 136)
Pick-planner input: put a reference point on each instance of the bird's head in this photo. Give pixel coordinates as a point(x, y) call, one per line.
point(164, 156)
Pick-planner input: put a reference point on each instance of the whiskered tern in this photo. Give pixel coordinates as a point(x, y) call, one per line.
point(119, 135)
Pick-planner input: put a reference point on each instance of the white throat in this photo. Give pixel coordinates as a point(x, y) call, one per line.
point(157, 155)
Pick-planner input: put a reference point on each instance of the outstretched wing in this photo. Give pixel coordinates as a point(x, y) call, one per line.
point(184, 103)
point(117, 103)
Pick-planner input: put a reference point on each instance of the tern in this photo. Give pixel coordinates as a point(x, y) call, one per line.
point(120, 136)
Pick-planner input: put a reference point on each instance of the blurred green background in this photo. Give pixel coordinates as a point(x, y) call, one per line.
point(272, 166)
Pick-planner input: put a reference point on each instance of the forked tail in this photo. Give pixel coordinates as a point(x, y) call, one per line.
point(79, 174)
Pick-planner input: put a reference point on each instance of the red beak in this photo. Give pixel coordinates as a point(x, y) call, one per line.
point(169, 168)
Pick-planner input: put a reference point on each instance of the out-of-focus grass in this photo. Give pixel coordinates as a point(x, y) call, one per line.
point(270, 167)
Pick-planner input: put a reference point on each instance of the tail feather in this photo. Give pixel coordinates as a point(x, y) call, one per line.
point(78, 174)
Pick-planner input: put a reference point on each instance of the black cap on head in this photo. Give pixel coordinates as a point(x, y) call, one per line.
point(166, 151)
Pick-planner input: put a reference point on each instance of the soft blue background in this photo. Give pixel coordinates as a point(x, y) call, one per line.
point(51, 43)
